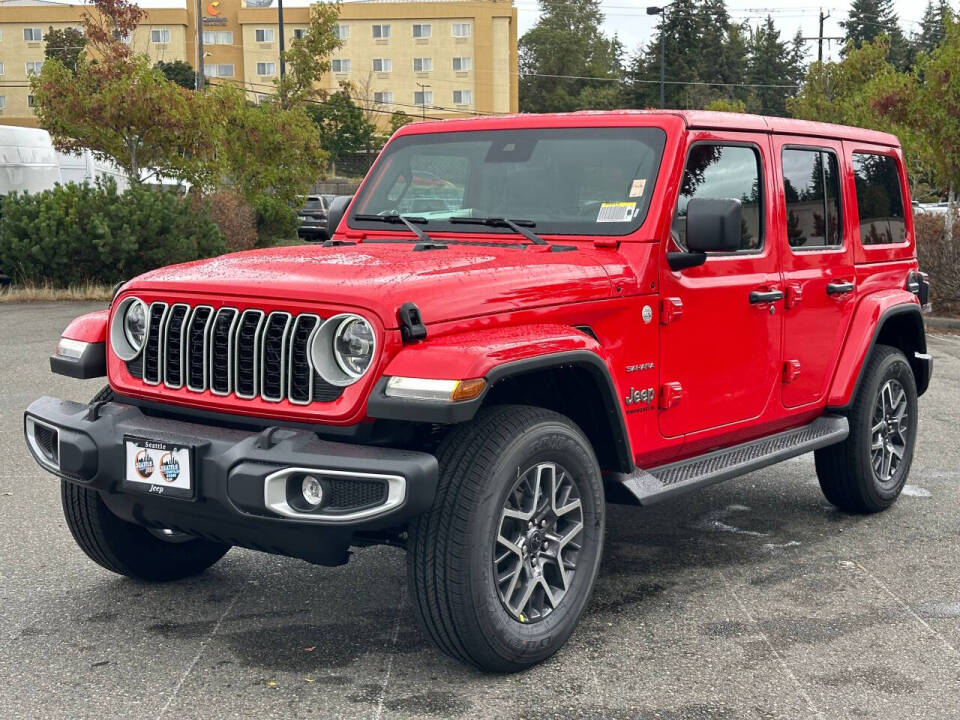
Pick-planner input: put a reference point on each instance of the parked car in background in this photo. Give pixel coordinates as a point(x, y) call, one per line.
point(621, 307)
point(313, 217)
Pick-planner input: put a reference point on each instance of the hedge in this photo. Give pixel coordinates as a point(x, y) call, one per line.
point(76, 234)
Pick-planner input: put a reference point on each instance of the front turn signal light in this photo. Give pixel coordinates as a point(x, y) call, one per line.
point(435, 390)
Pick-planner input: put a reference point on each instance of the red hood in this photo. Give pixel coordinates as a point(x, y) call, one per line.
point(448, 284)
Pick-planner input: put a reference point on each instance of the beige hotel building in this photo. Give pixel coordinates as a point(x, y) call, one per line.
point(444, 58)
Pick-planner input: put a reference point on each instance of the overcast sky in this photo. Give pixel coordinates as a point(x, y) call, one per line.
point(629, 20)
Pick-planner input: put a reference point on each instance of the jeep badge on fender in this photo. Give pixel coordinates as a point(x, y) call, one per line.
point(455, 371)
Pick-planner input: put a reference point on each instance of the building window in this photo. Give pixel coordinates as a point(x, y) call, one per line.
point(225, 70)
point(264, 35)
point(879, 199)
point(29, 101)
point(34, 67)
point(218, 37)
point(1, 68)
point(160, 36)
point(383, 65)
point(383, 98)
point(340, 65)
point(122, 37)
point(381, 32)
point(460, 29)
point(461, 64)
point(342, 32)
point(33, 34)
point(422, 31)
point(299, 33)
point(423, 65)
point(423, 97)
point(3, 102)
point(266, 68)
point(461, 97)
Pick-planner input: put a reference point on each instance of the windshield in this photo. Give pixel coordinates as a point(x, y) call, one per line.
point(581, 181)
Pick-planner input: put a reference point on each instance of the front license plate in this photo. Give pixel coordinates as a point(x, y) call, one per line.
point(158, 468)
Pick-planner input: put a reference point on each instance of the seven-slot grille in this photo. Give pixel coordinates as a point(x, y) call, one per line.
point(247, 354)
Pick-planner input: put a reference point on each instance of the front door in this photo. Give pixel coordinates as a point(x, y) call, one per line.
point(722, 321)
point(818, 266)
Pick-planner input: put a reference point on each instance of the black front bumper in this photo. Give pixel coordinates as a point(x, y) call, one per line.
point(231, 471)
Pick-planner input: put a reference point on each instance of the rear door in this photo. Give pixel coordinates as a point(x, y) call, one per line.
point(720, 337)
point(817, 249)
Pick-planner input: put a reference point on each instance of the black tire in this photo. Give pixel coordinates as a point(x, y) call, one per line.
point(847, 472)
point(453, 549)
point(125, 548)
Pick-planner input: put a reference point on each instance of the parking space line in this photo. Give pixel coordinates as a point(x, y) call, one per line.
point(897, 599)
point(393, 646)
point(728, 588)
point(196, 658)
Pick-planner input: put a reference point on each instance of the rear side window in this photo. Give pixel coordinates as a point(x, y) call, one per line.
point(811, 187)
point(879, 199)
point(723, 172)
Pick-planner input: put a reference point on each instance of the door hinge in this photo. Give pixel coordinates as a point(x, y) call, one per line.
point(794, 295)
point(671, 393)
point(791, 371)
point(671, 309)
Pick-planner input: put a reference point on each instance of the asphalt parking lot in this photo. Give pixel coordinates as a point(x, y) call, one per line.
point(752, 599)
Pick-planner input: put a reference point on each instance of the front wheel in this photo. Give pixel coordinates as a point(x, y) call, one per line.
point(867, 471)
point(502, 566)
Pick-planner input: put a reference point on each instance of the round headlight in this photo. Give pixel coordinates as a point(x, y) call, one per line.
point(135, 324)
point(343, 349)
point(128, 328)
point(353, 346)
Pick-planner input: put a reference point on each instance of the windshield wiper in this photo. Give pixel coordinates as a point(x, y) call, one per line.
point(400, 219)
point(518, 226)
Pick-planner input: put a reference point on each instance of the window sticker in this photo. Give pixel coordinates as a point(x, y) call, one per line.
point(637, 187)
point(616, 212)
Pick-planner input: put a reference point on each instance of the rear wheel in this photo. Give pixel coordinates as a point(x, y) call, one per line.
point(866, 472)
point(502, 566)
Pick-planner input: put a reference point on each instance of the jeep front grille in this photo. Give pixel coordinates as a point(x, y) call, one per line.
point(246, 354)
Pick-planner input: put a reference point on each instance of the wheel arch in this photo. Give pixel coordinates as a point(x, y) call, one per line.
point(899, 324)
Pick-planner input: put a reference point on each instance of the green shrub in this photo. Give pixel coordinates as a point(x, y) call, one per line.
point(276, 220)
point(75, 234)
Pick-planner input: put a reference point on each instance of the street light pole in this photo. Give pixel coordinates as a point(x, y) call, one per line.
point(283, 65)
point(423, 100)
point(200, 76)
point(661, 11)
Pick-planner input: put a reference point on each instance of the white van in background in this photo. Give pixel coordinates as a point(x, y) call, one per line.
point(85, 168)
point(28, 162)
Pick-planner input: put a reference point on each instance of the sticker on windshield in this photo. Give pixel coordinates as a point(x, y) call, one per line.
point(616, 212)
point(637, 187)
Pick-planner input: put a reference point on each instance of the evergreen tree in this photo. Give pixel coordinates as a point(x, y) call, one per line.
point(65, 45)
point(564, 47)
point(867, 20)
point(932, 29)
point(773, 67)
point(180, 72)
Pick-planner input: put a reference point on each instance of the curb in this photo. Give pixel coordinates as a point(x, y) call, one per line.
point(942, 323)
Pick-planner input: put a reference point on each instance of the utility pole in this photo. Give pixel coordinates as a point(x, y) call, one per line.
point(423, 100)
point(820, 37)
point(200, 76)
point(283, 65)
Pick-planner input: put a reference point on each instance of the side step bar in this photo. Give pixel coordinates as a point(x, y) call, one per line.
point(652, 486)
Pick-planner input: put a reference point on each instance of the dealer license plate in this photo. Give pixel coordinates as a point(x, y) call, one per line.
point(158, 468)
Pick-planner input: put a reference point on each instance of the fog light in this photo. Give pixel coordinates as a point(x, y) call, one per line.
point(312, 491)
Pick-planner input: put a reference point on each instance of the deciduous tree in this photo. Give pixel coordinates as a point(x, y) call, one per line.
point(308, 57)
point(344, 130)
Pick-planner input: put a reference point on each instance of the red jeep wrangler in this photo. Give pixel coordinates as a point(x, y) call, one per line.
point(514, 321)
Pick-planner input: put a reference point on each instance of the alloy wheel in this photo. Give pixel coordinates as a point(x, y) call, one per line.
point(538, 541)
point(888, 432)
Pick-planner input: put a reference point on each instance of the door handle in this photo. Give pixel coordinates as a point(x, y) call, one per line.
point(840, 287)
point(765, 296)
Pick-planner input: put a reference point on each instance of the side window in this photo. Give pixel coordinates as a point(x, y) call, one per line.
point(811, 187)
point(879, 199)
point(724, 172)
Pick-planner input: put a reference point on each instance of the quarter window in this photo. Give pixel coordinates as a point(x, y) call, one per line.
point(723, 172)
point(879, 199)
point(811, 188)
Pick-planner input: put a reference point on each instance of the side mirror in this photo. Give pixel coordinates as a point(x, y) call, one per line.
point(338, 206)
point(714, 225)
